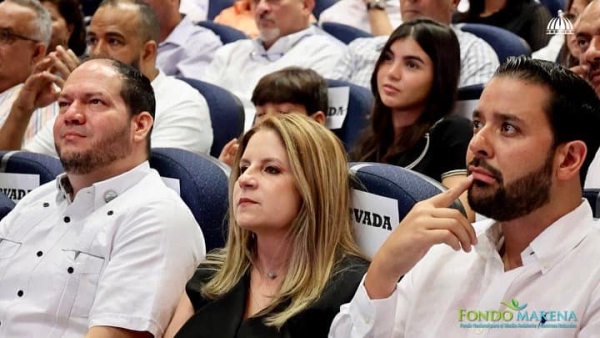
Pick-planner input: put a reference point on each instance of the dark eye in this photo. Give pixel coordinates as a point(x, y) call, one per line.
point(387, 56)
point(508, 128)
point(476, 124)
point(243, 168)
point(92, 41)
point(62, 104)
point(272, 170)
point(582, 43)
point(95, 101)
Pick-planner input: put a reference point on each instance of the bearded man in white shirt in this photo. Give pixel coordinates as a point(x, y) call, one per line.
point(106, 249)
point(528, 271)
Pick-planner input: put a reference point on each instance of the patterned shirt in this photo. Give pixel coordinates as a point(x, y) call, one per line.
point(478, 60)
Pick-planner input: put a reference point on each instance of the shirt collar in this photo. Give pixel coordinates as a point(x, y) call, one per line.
point(549, 247)
point(104, 191)
point(180, 33)
point(285, 43)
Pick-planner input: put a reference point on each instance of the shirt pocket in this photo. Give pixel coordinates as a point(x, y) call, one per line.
point(8, 247)
point(87, 268)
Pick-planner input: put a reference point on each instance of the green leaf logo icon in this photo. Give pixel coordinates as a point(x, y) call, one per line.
point(514, 305)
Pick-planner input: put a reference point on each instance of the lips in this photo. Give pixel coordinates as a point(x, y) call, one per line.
point(246, 201)
point(389, 89)
point(480, 174)
point(69, 135)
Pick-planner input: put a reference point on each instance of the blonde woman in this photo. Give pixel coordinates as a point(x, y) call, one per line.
point(291, 259)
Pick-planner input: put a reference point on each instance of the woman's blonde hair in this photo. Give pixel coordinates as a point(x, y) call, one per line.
point(320, 235)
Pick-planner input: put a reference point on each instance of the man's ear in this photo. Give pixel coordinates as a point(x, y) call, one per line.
point(38, 53)
point(570, 157)
point(309, 5)
point(149, 51)
point(141, 125)
point(319, 117)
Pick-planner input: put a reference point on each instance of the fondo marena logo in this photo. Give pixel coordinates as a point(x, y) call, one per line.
point(517, 315)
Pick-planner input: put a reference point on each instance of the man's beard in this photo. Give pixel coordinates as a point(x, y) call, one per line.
point(516, 199)
point(112, 147)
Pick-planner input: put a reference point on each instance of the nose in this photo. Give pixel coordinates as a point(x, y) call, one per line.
point(99, 48)
point(480, 145)
point(591, 56)
point(395, 70)
point(261, 6)
point(74, 115)
point(247, 180)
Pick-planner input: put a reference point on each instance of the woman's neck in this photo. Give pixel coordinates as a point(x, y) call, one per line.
point(272, 253)
point(401, 119)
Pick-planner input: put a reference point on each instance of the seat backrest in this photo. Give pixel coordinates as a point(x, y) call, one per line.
point(226, 113)
point(216, 6)
point(383, 195)
point(554, 6)
point(356, 108)
point(467, 99)
point(593, 197)
point(203, 186)
point(21, 172)
point(504, 42)
point(225, 33)
point(6, 205)
point(344, 33)
point(321, 5)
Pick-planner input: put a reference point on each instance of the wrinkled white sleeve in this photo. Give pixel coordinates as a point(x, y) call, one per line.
point(364, 317)
point(43, 142)
point(219, 63)
point(155, 251)
point(185, 125)
point(193, 64)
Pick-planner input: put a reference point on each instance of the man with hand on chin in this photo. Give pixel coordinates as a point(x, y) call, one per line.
point(535, 134)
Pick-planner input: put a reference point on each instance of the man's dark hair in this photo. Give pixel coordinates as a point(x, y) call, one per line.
point(136, 91)
point(293, 85)
point(148, 26)
point(573, 110)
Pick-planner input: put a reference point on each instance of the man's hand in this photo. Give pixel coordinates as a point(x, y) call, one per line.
point(429, 222)
point(63, 62)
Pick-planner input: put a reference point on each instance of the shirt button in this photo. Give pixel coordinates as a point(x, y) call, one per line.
point(20, 293)
point(67, 219)
point(70, 269)
point(39, 254)
point(46, 204)
point(110, 212)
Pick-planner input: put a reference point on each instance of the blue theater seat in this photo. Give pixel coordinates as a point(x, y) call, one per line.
point(504, 43)
point(359, 106)
point(203, 183)
point(6, 205)
point(344, 33)
point(554, 6)
point(593, 197)
point(225, 33)
point(321, 5)
point(226, 113)
point(216, 6)
point(467, 99)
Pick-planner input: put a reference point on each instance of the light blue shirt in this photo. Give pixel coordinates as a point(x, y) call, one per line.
point(188, 50)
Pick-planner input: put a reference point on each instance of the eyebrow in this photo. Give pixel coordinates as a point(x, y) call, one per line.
point(263, 160)
point(504, 117)
point(85, 96)
point(414, 58)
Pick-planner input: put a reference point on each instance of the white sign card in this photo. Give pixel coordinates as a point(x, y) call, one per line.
point(16, 186)
point(374, 219)
point(339, 100)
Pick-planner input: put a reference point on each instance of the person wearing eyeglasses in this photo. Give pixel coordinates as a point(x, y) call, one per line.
point(286, 38)
point(25, 30)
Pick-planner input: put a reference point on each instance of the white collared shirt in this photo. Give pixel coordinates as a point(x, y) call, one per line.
point(560, 273)
point(67, 266)
point(238, 66)
point(182, 120)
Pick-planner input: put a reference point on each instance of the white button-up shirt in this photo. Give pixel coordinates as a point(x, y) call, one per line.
point(238, 66)
point(67, 266)
point(556, 293)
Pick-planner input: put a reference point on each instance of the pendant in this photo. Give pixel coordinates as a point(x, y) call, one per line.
point(271, 275)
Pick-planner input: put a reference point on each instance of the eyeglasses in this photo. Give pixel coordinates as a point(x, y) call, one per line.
point(7, 37)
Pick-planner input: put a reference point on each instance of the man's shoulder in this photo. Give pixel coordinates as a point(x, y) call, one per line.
point(172, 89)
